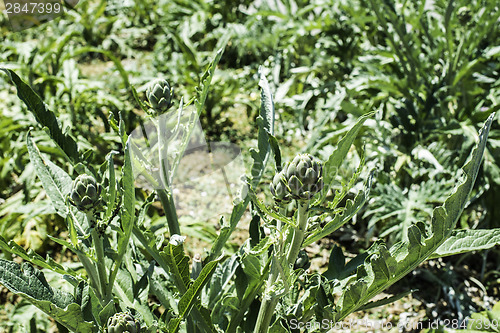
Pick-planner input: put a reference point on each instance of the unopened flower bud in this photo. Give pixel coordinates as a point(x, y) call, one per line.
point(279, 189)
point(159, 95)
point(123, 322)
point(304, 177)
point(196, 267)
point(86, 193)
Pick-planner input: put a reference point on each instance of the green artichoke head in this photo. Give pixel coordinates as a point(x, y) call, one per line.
point(304, 177)
point(159, 94)
point(279, 189)
point(123, 322)
point(86, 193)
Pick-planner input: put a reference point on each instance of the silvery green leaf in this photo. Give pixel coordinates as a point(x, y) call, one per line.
point(462, 241)
point(56, 182)
point(30, 283)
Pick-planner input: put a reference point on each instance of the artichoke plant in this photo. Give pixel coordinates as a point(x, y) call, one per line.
point(304, 177)
point(159, 95)
point(123, 322)
point(86, 193)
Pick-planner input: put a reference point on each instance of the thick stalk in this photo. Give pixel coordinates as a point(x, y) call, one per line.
point(164, 193)
point(298, 233)
point(170, 213)
point(163, 151)
point(268, 305)
point(101, 267)
point(270, 300)
point(99, 251)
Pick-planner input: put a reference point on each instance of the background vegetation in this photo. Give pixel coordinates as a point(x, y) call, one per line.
point(430, 70)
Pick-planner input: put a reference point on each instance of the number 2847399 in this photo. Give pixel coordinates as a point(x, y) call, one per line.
point(33, 8)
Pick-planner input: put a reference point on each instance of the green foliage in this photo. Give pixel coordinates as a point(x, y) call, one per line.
point(118, 275)
point(385, 266)
point(45, 117)
point(31, 284)
point(462, 241)
point(389, 94)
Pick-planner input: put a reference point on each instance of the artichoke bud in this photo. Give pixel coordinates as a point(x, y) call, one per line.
point(123, 322)
point(304, 176)
point(302, 261)
point(159, 94)
point(279, 189)
point(86, 193)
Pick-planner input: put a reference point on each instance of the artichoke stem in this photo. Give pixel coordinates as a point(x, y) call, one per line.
point(298, 232)
point(164, 193)
point(91, 272)
point(170, 213)
point(266, 313)
point(99, 251)
point(269, 302)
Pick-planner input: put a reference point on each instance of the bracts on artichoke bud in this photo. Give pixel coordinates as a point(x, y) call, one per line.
point(300, 179)
point(86, 194)
point(304, 176)
point(123, 322)
point(279, 189)
point(159, 95)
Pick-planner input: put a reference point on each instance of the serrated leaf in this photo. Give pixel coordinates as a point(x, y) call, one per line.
point(56, 182)
point(383, 268)
point(190, 297)
point(128, 211)
point(226, 231)
point(178, 264)
point(266, 107)
point(276, 152)
point(265, 122)
point(262, 247)
point(351, 208)
point(206, 80)
point(266, 128)
point(111, 197)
